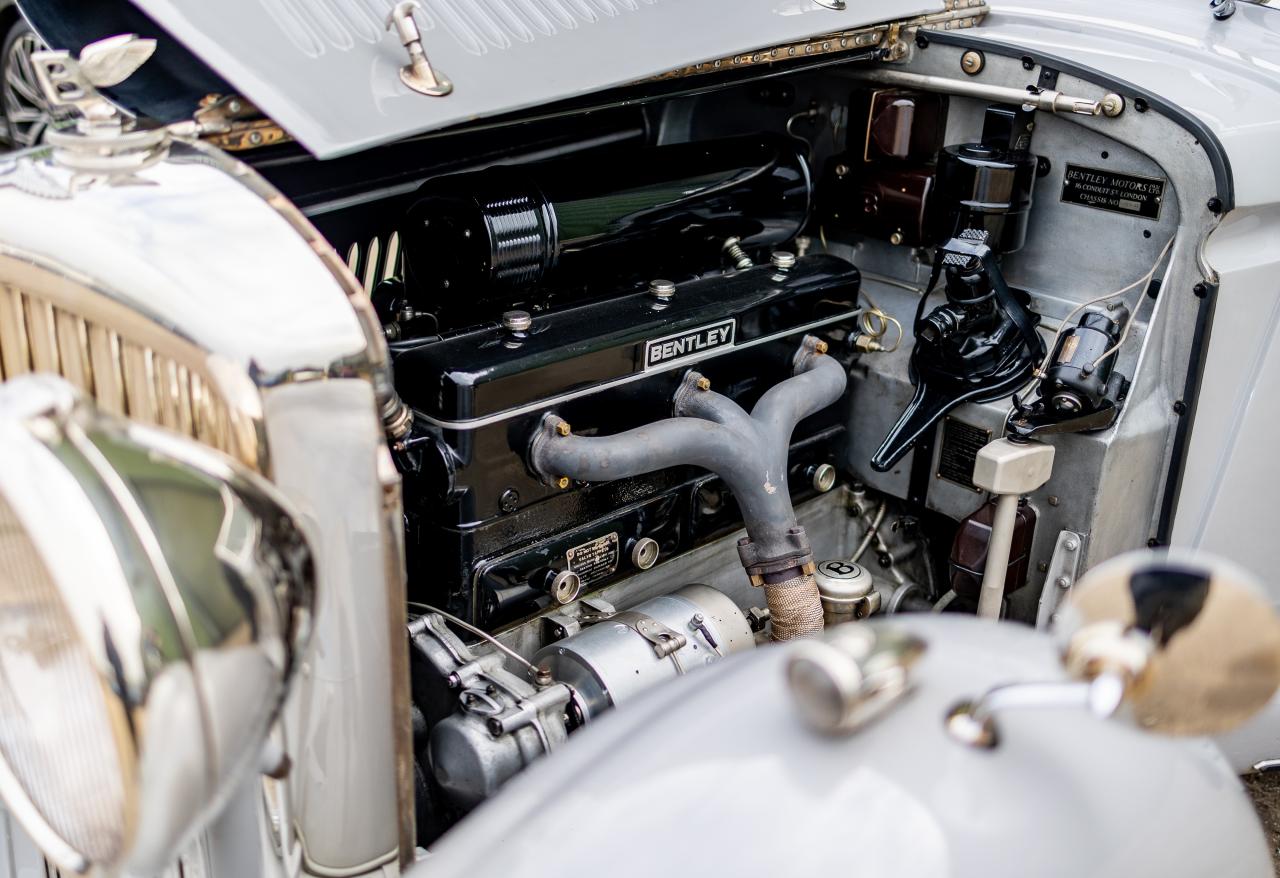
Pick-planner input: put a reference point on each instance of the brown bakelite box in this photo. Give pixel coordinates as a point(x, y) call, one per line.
point(969, 550)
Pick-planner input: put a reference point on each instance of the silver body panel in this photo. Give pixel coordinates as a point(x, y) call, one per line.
point(1064, 794)
point(210, 253)
point(328, 70)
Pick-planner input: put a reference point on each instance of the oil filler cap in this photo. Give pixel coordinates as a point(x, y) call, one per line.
point(847, 591)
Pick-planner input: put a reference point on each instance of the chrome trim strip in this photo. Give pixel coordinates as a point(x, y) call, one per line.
point(528, 408)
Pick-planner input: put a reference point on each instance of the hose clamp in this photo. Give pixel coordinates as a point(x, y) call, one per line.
point(794, 561)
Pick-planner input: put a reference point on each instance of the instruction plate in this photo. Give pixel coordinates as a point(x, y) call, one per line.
point(595, 560)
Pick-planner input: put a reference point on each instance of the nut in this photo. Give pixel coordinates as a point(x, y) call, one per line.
point(823, 477)
point(565, 587)
point(517, 321)
point(644, 554)
point(820, 347)
point(562, 482)
point(782, 260)
point(703, 383)
point(662, 289)
point(972, 62)
point(563, 429)
point(896, 238)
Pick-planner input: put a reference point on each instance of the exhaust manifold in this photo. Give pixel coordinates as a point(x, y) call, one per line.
point(748, 451)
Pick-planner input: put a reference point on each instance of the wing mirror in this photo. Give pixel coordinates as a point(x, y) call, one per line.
point(154, 599)
point(1183, 643)
point(1193, 639)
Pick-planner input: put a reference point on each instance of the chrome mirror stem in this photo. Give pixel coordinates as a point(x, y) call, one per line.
point(974, 722)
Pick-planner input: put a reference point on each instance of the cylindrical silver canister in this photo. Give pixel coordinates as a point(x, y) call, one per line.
point(664, 637)
point(847, 591)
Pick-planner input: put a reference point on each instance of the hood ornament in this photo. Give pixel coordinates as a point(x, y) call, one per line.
point(104, 142)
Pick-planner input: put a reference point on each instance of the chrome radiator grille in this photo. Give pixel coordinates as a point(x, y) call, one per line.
point(125, 375)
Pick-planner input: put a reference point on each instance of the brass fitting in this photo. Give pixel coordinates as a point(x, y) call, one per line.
point(703, 384)
point(563, 429)
point(562, 482)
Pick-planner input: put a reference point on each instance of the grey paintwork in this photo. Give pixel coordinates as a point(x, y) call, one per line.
point(717, 774)
point(327, 70)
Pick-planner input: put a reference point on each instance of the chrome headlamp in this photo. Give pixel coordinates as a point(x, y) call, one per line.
point(154, 597)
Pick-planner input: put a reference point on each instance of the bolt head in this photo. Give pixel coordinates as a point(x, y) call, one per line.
point(781, 259)
point(563, 428)
point(703, 383)
point(842, 170)
point(562, 482)
point(1112, 105)
point(509, 501)
point(660, 288)
point(972, 62)
point(517, 321)
point(821, 347)
point(896, 238)
point(1071, 545)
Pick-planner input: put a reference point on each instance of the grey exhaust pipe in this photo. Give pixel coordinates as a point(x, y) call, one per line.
point(748, 451)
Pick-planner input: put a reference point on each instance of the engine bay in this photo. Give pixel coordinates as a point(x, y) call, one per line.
point(563, 295)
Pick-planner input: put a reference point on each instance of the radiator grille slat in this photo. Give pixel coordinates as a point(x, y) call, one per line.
point(124, 376)
point(15, 350)
point(42, 335)
point(73, 350)
point(108, 374)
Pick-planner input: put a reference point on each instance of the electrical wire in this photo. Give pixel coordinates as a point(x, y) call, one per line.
point(1144, 282)
point(1133, 315)
point(466, 626)
point(811, 113)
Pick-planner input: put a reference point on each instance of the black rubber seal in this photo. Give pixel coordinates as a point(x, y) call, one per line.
point(1186, 418)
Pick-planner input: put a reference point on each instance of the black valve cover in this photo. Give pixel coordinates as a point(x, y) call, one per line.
point(489, 529)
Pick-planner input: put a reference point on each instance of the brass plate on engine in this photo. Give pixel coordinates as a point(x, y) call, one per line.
point(595, 560)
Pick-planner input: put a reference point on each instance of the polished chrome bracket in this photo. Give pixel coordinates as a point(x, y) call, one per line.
point(418, 73)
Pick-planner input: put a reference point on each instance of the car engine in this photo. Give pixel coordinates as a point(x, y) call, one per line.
point(717, 365)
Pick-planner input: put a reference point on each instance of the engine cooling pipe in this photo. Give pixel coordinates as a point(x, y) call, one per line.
point(748, 451)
